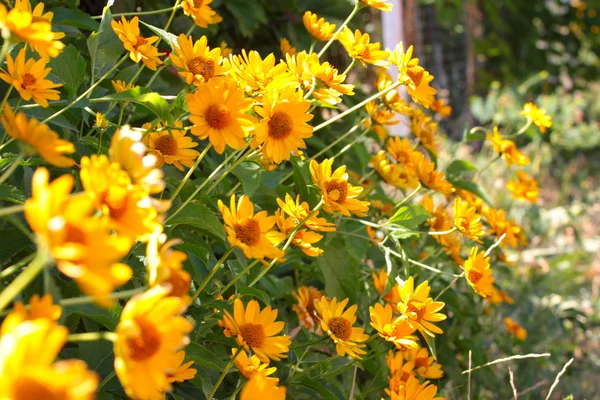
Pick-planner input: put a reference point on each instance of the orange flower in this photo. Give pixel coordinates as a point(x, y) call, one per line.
point(139, 47)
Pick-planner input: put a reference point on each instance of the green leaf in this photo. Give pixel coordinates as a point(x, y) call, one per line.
point(12, 194)
point(249, 174)
point(325, 394)
point(410, 216)
point(11, 242)
point(107, 318)
point(340, 271)
point(471, 187)
point(104, 45)
point(200, 217)
point(143, 96)
point(459, 167)
point(249, 15)
point(202, 356)
point(259, 294)
point(70, 68)
point(301, 177)
point(164, 35)
point(74, 17)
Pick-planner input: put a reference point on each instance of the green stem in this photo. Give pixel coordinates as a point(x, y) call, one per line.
point(121, 115)
point(139, 13)
point(5, 99)
point(241, 159)
point(190, 172)
point(108, 378)
point(233, 189)
point(357, 6)
point(316, 365)
point(7, 143)
point(212, 273)
point(312, 46)
point(449, 286)
point(409, 197)
point(237, 277)
point(12, 210)
point(92, 337)
point(225, 371)
point(425, 266)
point(24, 279)
point(125, 294)
point(493, 160)
point(352, 64)
point(523, 129)
point(4, 50)
point(449, 231)
point(13, 268)
point(13, 166)
point(87, 92)
point(154, 76)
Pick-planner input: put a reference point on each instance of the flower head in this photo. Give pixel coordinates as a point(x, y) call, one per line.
point(338, 325)
point(37, 138)
point(150, 334)
point(180, 370)
point(439, 106)
point(171, 146)
point(303, 238)
point(359, 47)
point(286, 48)
point(515, 329)
point(467, 221)
point(201, 12)
point(392, 329)
point(338, 194)
point(412, 389)
point(40, 308)
point(538, 116)
point(261, 387)
point(250, 366)
point(300, 211)
point(478, 273)
point(165, 265)
point(306, 296)
point(400, 370)
point(318, 27)
point(425, 365)
point(507, 149)
point(257, 76)
point(140, 48)
point(196, 61)
point(121, 86)
point(420, 309)
point(381, 5)
point(415, 77)
point(380, 282)
point(524, 187)
point(428, 176)
point(256, 329)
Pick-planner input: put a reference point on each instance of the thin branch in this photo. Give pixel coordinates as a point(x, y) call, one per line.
point(512, 383)
point(562, 371)
point(469, 378)
point(500, 239)
point(532, 388)
point(501, 360)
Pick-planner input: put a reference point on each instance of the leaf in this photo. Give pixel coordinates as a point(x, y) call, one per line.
point(325, 393)
point(164, 35)
point(459, 167)
point(249, 174)
point(12, 194)
point(471, 187)
point(70, 68)
point(75, 18)
point(202, 356)
point(340, 271)
point(200, 217)
point(143, 96)
point(249, 15)
point(107, 318)
point(104, 46)
point(410, 216)
point(259, 294)
point(11, 242)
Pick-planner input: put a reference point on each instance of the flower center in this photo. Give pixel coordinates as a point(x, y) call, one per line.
point(474, 276)
point(253, 334)
point(418, 308)
point(146, 344)
point(198, 3)
point(75, 234)
point(202, 66)
point(116, 201)
point(39, 19)
point(280, 125)
point(416, 74)
point(140, 41)
point(166, 144)
point(421, 362)
point(26, 388)
point(28, 80)
point(217, 116)
point(341, 327)
point(180, 284)
point(248, 231)
point(337, 190)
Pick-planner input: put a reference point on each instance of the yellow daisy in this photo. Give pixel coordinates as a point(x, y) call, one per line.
point(392, 98)
point(306, 296)
point(499, 296)
point(318, 27)
point(170, 146)
point(400, 369)
point(250, 366)
point(392, 329)
point(440, 221)
point(425, 365)
point(524, 187)
point(140, 48)
point(257, 76)
point(381, 115)
point(381, 5)
point(304, 239)
point(300, 210)
point(286, 48)
point(428, 176)
point(359, 47)
point(28, 79)
point(150, 334)
point(225, 50)
point(337, 193)
point(380, 282)
point(121, 86)
point(218, 112)
point(252, 233)
point(39, 308)
point(196, 61)
point(401, 150)
point(201, 12)
point(255, 329)
point(538, 116)
point(165, 265)
point(418, 86)
point(338, 325)
point(391, 173)
point(412, 389)
point(507, 149)
point(467, 221)
point(478, 273)
point(28, 369)
point(515, 329)
point(425, 130)
point(419, 308)
point(439, 106)
point(283, 126)
point(500, 225)
point(180, 371)
point(262, 387)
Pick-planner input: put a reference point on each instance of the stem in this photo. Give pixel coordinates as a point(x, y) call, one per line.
point(410, 196)
point(11, 210)
point(449, 286)
point(168, 24)
point(112, 374)
point(87, 92)
point(121, 115)
point(233, 189)
point(523, 129)
point(211, 274)
point(24, 279)
point(5, 99)
point(352, 64)
point(486, 166)
point(237, 277)
point(357, 6)
point(113, 296)
point(13, 166)
point(154, 76)
point(312, 46)
point(356, 107)
point(138, 13)
point(7, 143)
point(190, 172)
point(418, 263)
point(449, 231)
point(225, 371)
point(4, 50)
point(92, 336)
point(250, 153)
point(10, 270)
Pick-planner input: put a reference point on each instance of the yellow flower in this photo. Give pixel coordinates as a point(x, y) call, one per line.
point(401, 150)
point(250, 366)
point(392, 174)
point(392, 98)
point(415, 77)
point(218, 112)
point(257, 76)
point(101, 122)
point(337, 193)
point(39, 309)
point(286, 48)
point(139, 47)
point(515, 329)
point(255, 329)
point(165, 265)
point(412, 389)
point(420, 309)
point(381, 5)
point(28, 79)
point(501, 225)
point(34, 28)
point(440, 221)
point(299, 211)
point(425, 130)
point(283, 126)
point(478, 273)
point(37, 138)
point(425, 365)
point(200, 12)
point(467, 221)
point(179, 372)
point(392, 329)
point(28, 370)
point(380, 282)
point(170, 146)
point(225, 50)
point(499, 296)
point(304, 239)
point(318, 27)
point(428, 176)
point(380, 115)
point(121, 86)
point(439, 106)
point(150, 334)
point(261, 387)
point(252, 233)
point(538, 116)
point(338, 325)
point(360, 48)
point(400, 369)
point(306, 296)
point(198, 62)
point(507, 149)
point(524, 187)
